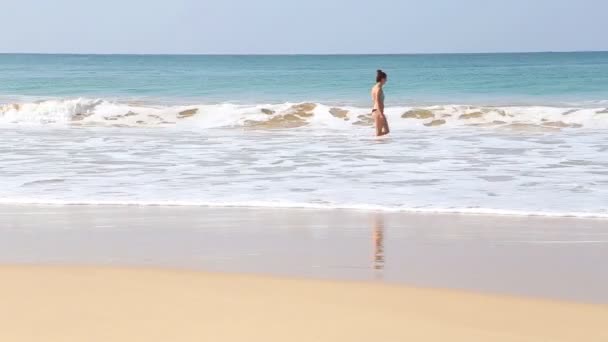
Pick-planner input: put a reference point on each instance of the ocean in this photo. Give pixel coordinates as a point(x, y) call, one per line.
point(516, 134)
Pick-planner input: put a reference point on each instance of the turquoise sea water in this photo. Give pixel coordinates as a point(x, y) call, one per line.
point(521, 134)
point(505, 79)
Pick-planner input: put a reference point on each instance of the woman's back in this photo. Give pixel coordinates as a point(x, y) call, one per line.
point(377, 96)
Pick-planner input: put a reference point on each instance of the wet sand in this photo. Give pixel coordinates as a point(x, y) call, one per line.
point(96, 273)
point(118, 304)
point(553, 258)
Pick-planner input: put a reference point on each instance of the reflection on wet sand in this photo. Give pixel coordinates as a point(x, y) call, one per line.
point(378, 240)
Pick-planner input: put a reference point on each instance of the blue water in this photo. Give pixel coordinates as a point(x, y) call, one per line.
point(505, 79)
point(520, 134)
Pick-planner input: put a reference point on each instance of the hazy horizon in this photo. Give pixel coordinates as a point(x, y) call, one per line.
point(302, 54)
point(288, 27)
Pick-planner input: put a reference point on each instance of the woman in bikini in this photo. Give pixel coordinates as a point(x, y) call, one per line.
point(378, 116)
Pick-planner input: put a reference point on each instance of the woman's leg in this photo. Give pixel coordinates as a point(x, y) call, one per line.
point(385, 128)
point(378, 123)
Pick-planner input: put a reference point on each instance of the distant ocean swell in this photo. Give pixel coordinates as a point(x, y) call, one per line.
point(100, 112)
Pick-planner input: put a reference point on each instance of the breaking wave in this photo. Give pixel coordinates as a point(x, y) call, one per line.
point(100, 112)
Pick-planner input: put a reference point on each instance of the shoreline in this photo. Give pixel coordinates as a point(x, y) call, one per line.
point(483, 212)
point(126, 304)
point(554, 258)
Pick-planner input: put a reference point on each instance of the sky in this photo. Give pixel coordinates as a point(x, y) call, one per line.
point(302, 26)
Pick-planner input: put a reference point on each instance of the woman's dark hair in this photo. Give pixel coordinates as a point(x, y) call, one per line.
point(380, 75)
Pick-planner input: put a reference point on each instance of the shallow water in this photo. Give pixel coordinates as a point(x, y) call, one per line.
point(458, 170)
point(500, 133)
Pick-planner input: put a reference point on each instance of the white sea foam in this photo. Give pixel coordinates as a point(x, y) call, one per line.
point(302, 205)
point(99, 112)
point(429, 170)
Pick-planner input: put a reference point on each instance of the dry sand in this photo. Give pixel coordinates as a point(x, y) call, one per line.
point(118, 304)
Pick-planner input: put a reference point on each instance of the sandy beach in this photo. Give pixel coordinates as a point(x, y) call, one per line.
point(121, 273)
point(114, 304)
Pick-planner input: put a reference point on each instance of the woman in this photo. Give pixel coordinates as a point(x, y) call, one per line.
point(378, 98)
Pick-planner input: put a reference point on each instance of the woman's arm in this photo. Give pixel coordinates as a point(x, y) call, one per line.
point(375, 97)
